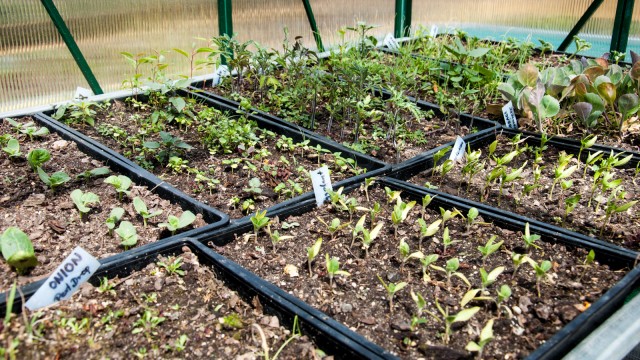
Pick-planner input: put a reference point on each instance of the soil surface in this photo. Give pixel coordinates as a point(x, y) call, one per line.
point(51, 219)
point(226, 176)
point(622, 229)
point(361, 302)
point(154, 314)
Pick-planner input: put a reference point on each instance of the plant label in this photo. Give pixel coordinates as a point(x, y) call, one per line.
point(434, 30)
point(391, 42)
point(82, 93)
point(65, 280)
point(457, 153)
point(509, 114)
point(220, 72)
point(321, 184)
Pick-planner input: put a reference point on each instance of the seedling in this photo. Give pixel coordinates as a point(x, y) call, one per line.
point(147, 323)
point(462, 316)
point(427, 231)
point(426, 200)
point(392, 195)
point(374, 212)
point(114, 217)
point(586, 264)
point(518, 260)
point(392, 289)
point(141, 209)
point(312, 253)
point(541, 272)
point(101, 171)
point(437, 157)
point(506, 178)
point(486, 335)
point(570, 204)
point(82, 200)
point(489, 248)
point(529, 239)
point(425, 262)
point(106, 287)
point(400, 213)
point(472, 215)
point(37, 157)
point(561, 173)
point(334, 227)
point(12, 148)
point(489, 278)
point(121, 183)
point(367, 183)
point(276, 238)
point(17, 249)
point(446, 240)
point(369, 236)
point(333, 268)
point(451, 269)
point(128, 234)
point(406, 254)
point(255, 187)
point(259, 220)
point(173, 267)
point(174, 223)
point(54, 180)
point(169, 146)
point(448, 215)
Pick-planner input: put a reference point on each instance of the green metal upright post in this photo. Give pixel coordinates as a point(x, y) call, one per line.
point(225, 20)
point(583, 20)
point(64, 32)
point(314, 26)
point(621, 25)
point(403, 18)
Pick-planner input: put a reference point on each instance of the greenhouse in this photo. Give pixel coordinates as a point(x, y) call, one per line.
point(244, 179)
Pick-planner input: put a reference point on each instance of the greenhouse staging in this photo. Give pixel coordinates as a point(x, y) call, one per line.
point(284, 179)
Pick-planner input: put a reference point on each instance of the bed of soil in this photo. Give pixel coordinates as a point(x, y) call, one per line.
point(270, 168)
point(193, 305)
point(51, 219)
point(360, 300)
point(623, 229)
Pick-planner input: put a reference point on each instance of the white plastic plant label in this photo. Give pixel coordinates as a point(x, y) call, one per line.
point(434, 30)
point(509, 114)
point(321, 184)
point(82, 93)
point(220, 72)
point(65, 280)
point(457, 153)
point(391, 42)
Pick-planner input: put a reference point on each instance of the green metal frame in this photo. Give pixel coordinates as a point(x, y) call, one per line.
point(583, 20)
point(621, 25)
point(64, 32)
point(402, 23)
point(225, 21)
point(314, 26)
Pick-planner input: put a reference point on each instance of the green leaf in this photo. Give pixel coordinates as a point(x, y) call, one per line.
point(37, 157)
point(186, 219)
point(528, 75)
point(178, 103)
point(476, 53)
point(549, 106)
point(465, 314)
point(127, 232)
point(17, 249)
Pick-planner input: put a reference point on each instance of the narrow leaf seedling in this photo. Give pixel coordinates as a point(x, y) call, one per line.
point(141, 209)
point(312, 253)
point(392, 289)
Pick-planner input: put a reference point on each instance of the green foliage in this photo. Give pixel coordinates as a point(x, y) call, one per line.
point(224, 134)
point(174, 223)
point(312, 253)
point(232, 321)
point(121, 183)
point(173, 266)
point(259, 220)
point(54, 180)
point(101, 171)
point(17, 249)
point(114, 217)
point(83, 199)
point(37, 157)
point(12, 148)
point(392, 289)
point(333, 268)
point(486, 335)
point(81, 112)
point(529, 239)
point(167, 147)
point(489, 248)
point(127, 232)
point(141, 209)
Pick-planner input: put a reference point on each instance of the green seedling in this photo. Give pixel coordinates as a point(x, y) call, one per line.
point(255, 187)
point(489, 248)
point(451, 269)
point(587, 142)
point(489, 278)
point(54, 180)
point(333, 268)
point(367, 184)
point(114, 217)
point(259, 221)
point(169, 146)
point(400, 212)
point(447, 240)
point(11, 296)
point(276, 238)
point(426, 200)
point(541, 272)
point(406, 254)
point(614, 208)
point(518, 260)
point(173, 267)
point(179, 345)
point(357, 230)
point(437, 157)
point(121, 183)
point(17, 249)
point(506, 178)
point(529, 239)
point(147, 323)
point(392, 195)
point(486, 335)
point(570, 204)
point(37, 157)
point(462, 316)
point(312, 253)
point(561, 173)
point(101, 171)
point(334, 227)
point(12, 148)
point(174, 223)
point(472, 215)
point(369, 236)
point(232, 321)
point(427, 230)
point(128, 234)
point(106, 287)
point(82, 200)
point(392, 289)
point(374, 212)
point(425, 262)
point(141, 209)
point(448, 215)
point(588, 261)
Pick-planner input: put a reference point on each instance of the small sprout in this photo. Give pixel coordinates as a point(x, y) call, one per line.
point(425, 262)
point(121, 183)
point(486, 335)
point(472, 215)
point(232, 321)
point(570, 204)
point(427, 231)
point(54, 180)
point(426, 200)
point(392, 289)
point(446, 239)
point(489, 278)
point(114, 217)
point(392, 195)
point(255, 187)
point(400, 213)
point(357, 230)
point(333, 268)
point(17, 249)
point(334, 227)
point(147, 322)
point(406, 254)
point(367, 184)
point(529, 239)
point(561, 172)
point(141, 209)
point(12, 148)
point(369, 236)
point(173, 267)
point(489, 248)
point(127, 233)
point(101, 171)
point(451, 269)
point(276, 238)
point(82, 199)
point(106, 287)
point(462, 316)
point(174, 223)
point(541, 272)
point(259, 220)
point(374, 212)
point(518, 260)
point(312, 253)
point(37, 157)
point(586, 264)
point(448, 214)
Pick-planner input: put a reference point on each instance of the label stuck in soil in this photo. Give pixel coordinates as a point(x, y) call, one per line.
point(509, 114)
point(434, 30)
point(391, 42)
point(321, 184)
point(76, 269)
point(220, 72)
point(457, 153)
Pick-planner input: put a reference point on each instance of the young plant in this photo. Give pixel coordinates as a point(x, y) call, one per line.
point(570, 204)
point(12, 149)
point(427, 230)
point(406, 254)
point(541, 272)
point(447, 240)
point(128, 234)
point(561, 172)
point(121, 183)
point(276, 238)
point(333, 268)
point(82, 200)
point(472, 215)
point(101, 171)
point(141, 209)
point(367, 184)
point(392, 289)
point(17, 249)
point(37, 157)
point(174, 223)
point(312, 253)
point(334, 227)
point(425, 262)
point(529, 239)
point(489, 278)
point(448, 215)
point(259, 220)
point(114, 217)
point(173, 267)
point(586, 264)
point(462, 316)
point(489, 248)
point(451, 269)
point(486, 335)
point(54, 180)
point(400, 213)
point(369, 236)
point(426, 200)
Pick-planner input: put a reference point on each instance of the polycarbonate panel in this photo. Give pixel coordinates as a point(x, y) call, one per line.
point(36, 68)
point(550, 20)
